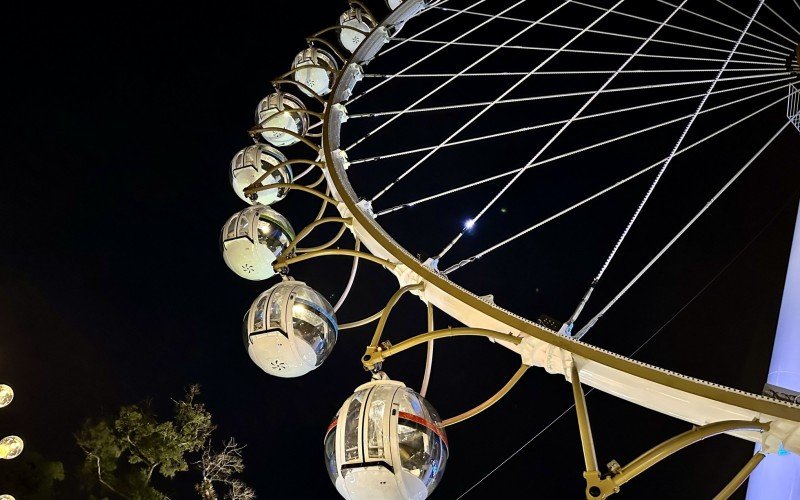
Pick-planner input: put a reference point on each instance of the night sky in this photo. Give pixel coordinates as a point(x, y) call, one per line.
point(119, 128)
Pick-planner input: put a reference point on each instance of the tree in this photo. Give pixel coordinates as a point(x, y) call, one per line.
point(32, 477)
point(220, 467)
point(124, 455)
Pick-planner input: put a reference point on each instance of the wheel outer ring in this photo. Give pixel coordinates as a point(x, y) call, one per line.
point(595, 364)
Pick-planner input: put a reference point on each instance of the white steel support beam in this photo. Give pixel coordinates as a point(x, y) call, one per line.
point(778, 476)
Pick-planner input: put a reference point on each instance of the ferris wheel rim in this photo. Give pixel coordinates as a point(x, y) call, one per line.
point(343, 191)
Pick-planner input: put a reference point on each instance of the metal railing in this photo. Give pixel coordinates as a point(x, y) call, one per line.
point(793, 105)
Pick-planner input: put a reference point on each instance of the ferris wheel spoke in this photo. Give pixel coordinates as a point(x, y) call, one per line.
point(451, 79)
point(756, 21)
point(632, 16)
point(541, 151)
point(444, 46)
point(560, 122)
point(604, 52)
point(720, 23)
point(458, 12)
point(619, 183)
point(712, 280)
point(556, 73)
point(508, 91)
point(782, 18)
point(666, 164)
point(622, 35)
point(548, 96)
point(677, 236)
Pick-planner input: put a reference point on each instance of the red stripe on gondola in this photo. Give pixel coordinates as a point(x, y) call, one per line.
point(331, 426)
point(421, 421)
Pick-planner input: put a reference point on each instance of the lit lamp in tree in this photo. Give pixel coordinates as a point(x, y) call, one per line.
point(6, 396)
point(7, 497)
point(11, 447)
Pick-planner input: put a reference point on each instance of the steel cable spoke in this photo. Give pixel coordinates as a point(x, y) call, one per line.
point(664, 167)
point(603, 52)
point(604, 191)
point(621, 35)
point(560, 122)
point(450, 80)
point(493, 103)
point(782, 19)
point(557, 73)
point(632, 16)
point(756, 21)
point(436, 25)
point(563, 128)
point(680, 233)
point(433, 53)
point(550, 96)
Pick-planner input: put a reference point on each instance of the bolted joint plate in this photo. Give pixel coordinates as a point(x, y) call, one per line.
point(599, 487)
point(337, 116)
point(351, 75)
point(535, 352)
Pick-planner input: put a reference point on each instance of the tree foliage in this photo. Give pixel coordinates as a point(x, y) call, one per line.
point(128, 453)
point(32, 477)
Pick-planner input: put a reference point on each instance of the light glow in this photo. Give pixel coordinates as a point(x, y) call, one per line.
point(6, 396)
point(11, 447)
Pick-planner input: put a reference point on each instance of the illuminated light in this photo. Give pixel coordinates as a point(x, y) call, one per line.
point(11, 447)
point(7, 497)
point(6, 396)
point(469, 224)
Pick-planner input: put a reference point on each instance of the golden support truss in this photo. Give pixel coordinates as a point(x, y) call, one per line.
point(600, 486)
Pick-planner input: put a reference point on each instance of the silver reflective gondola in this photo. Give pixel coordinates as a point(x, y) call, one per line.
point(281, 110)
point(250, 164)
point(316, 69)
point(355, 17)
point(386, 442)
point(252, 240)
point(290, 329)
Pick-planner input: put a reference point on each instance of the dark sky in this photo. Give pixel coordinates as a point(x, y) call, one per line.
point(119, 128)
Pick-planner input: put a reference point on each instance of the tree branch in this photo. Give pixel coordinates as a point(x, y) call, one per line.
point(100, 474)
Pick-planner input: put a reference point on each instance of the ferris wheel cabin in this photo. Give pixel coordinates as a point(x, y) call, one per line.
point(355, 21)
point(386, 442)
point(281, 110)
point(252, 162)
point(290, 330)
point(252, 240)
point(316, 69)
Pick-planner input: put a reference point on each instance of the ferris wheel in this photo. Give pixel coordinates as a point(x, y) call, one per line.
point(416, 128)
